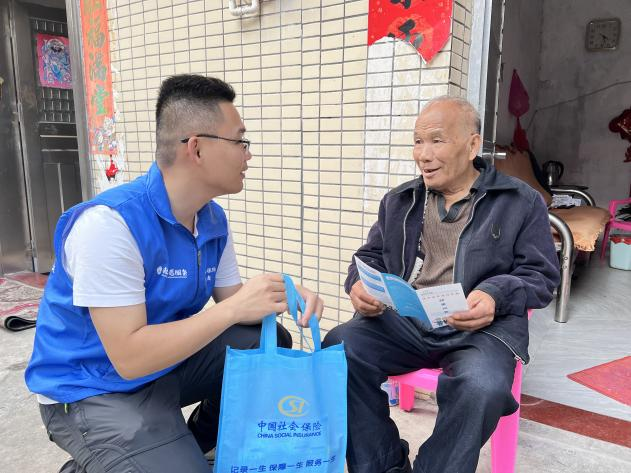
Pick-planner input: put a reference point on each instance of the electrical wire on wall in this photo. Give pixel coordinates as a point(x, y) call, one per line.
point(558, 104)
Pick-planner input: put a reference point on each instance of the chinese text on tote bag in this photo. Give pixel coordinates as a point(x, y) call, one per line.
point(283, 409)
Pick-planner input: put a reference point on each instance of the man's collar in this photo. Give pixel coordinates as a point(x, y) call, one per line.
point(158, 194)
point(209, 224)
point(490, 179)
point(477, 183)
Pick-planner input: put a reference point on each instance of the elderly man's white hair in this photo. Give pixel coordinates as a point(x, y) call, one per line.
point(464, 105)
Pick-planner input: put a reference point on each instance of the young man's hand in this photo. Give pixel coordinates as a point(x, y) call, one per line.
point(262, 295)
point(364, 303)
point(480, 314)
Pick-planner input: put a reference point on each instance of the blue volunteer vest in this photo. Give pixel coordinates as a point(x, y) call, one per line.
point(69, 362)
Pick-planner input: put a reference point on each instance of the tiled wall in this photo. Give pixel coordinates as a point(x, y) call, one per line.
point(330, 119)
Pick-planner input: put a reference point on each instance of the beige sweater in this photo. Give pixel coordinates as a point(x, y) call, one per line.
point(439, 239)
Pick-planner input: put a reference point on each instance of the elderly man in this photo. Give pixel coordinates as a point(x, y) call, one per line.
point(463, 222)
point(117, 352)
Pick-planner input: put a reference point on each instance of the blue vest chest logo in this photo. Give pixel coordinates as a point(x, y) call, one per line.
point(171, 273)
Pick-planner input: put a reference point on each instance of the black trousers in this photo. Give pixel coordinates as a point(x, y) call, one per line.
point(474, 391)
point(145, 431)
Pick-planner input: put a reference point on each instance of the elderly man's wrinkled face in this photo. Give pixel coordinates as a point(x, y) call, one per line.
point(445, 143)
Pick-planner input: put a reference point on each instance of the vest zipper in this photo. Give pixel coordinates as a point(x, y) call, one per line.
point(199, 264)
point(405, 234)
point(198, 257)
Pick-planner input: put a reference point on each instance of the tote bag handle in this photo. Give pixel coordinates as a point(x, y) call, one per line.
point(294, 299)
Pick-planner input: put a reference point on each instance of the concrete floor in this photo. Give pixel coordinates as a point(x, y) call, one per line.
point(542, 449)
point(598, 331)
point(24, 446)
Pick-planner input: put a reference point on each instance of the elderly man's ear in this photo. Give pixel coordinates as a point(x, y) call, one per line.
point(474, 144)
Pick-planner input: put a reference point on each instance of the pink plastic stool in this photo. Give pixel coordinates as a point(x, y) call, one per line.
point(503, 440)
point(613, 223)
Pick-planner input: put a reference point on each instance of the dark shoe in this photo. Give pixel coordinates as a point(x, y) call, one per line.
point(404, 466)
point(203, 425)
point(210, 457)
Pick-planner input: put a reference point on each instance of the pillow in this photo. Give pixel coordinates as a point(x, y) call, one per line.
point(586, 224)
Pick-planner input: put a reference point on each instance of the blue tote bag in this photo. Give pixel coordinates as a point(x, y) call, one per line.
point(283, 409)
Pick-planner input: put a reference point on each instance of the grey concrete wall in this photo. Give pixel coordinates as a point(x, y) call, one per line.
point(579, 93)
point(521, 51)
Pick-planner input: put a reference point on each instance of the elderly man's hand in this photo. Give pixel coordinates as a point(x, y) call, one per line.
point(364, 303)
point(480, 314)
point(314, 305)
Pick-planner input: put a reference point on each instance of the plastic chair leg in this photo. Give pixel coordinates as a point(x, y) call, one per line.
point(504, 439)
point(504, 444)
point(406, 397)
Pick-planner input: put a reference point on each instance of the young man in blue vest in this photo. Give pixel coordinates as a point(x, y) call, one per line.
point(117, 352)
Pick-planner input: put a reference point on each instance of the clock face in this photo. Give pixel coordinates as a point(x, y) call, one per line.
point(602, 34)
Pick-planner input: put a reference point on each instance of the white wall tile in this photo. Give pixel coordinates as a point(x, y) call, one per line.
point(330, 118)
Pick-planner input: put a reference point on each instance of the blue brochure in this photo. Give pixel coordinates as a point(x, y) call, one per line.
point(431, 305)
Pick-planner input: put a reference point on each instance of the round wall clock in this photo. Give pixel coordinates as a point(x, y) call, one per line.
point(602, 35)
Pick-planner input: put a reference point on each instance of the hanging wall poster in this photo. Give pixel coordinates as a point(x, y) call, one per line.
point(53, 61)
point(98, 76)
point(426, 24)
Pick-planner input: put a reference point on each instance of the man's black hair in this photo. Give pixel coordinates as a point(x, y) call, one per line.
point(194, 88)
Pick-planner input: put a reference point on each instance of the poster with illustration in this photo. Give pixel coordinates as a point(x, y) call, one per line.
point(53, 59)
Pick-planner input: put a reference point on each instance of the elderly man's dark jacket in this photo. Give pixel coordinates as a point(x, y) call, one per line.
point(505, 249)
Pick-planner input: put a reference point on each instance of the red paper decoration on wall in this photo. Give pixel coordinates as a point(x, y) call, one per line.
point(97, 73)
point(111, 172)
point(426, 24)
point(518, 105)
point(622, 124)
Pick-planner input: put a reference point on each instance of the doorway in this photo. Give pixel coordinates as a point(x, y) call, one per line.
point(39, 162)
point(575, 90)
